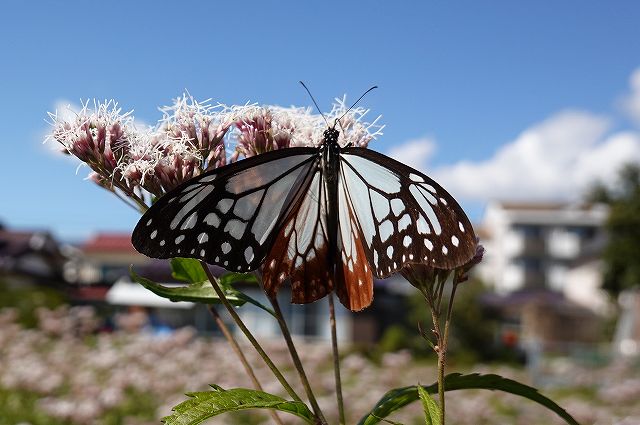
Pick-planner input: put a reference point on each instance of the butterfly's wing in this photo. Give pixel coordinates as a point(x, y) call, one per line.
point(403, 215)
point(228, 216)
point(301, 253)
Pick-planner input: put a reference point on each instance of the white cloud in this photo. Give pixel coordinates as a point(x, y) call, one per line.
point(415, 153)
point(556, 159)
point(631, 102)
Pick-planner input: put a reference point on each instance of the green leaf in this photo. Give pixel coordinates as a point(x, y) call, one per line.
point(200, 292)
point(431, 409)
point(227, 280)
point(400, 397)
point(206, 404)
point(188, 270)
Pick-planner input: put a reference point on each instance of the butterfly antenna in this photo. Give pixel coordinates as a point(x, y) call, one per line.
point(356, 102)
point(315, 103)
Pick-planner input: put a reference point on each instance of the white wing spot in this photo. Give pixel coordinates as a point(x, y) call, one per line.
point(203, 237)
point(390, 251)
point(248, 254)
point(190, 222)
point(455, 241)
point(397, 206)
point(444, 201)
point(235, 228)
point(460, 226)
point(380, 205)
point(149, 222)
point(375, 258)
point(212, 219)
point(154, 234)
point(193, 250)
point(410, 256)
point(416, 178)
point(386, 229)
point(429, 188)
point(406, 241)
point(226, 247)
point(428, 244)
point(162, 242)
point(404, 222)
point(225, 205)
point(445, 250)
point(423, 226)
point(202, 252)
point(179, 239)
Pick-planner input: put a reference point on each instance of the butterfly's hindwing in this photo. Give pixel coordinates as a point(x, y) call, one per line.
point(301, 248)
point(228, 216)
point(354, 277)
point(405, 217)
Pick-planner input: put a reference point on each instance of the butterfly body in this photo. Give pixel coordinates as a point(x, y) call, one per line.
point(323, 219)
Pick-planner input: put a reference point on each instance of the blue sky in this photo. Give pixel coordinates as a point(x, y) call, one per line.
point(478, 94)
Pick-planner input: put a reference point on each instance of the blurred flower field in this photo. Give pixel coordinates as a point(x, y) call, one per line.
point(63, 372)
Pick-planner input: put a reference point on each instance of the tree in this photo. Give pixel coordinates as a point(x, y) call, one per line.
point(622, 252)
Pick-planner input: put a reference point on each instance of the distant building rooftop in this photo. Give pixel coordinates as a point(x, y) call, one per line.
point(109, 242)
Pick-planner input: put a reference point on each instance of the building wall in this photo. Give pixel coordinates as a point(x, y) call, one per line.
point(534, 246)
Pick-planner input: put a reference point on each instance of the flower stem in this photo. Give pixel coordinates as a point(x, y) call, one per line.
point(441, 350)
point(245, 363)
point(336, 359)
point(248, 334)
point(296, 359)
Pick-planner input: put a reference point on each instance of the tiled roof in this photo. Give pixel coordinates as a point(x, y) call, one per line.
point(109, 242)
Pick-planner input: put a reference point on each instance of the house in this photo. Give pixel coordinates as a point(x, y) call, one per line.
point(543, 264)
point(536, 245)
point(110, 255)
point(31, 258)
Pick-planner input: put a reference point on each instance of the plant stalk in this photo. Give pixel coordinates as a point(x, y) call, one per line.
point(442, 354)
point(296, 359)
point(248, 334)
point(245, 363)
point(336, 359)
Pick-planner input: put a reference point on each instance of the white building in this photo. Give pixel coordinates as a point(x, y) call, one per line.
point(537, 245)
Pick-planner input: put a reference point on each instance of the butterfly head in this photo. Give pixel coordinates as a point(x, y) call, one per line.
point(331, 135)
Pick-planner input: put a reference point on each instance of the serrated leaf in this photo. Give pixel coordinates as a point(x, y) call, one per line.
point(431, 409)
point(206, 404)
point(188, 270)
point(200, 292)
point(400, 397)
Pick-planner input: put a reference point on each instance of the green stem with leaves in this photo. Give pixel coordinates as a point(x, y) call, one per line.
point(296, 359)
point(238, 351)
point(238, 321)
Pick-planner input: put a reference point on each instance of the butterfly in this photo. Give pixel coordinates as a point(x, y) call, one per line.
point(324, 219)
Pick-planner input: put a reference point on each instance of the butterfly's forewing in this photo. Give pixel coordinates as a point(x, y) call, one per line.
point(404, 216)
point(228, 216)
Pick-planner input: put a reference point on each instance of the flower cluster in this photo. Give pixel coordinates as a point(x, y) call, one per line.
point(192, 137)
